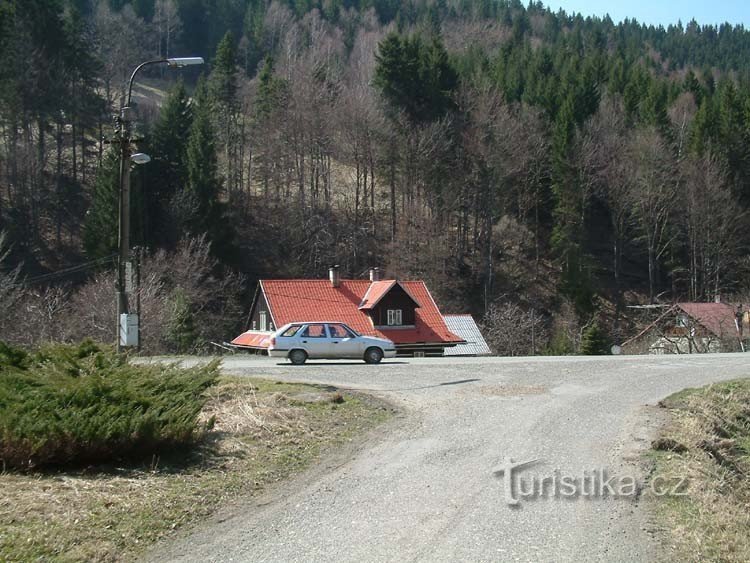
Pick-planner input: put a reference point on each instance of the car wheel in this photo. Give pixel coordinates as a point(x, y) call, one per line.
point(373, 355)
point(298, 357)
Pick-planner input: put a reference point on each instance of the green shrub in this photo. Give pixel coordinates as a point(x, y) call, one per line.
point(594, 341)
point(86, 404)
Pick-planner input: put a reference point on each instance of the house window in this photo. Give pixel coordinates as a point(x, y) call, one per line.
point(263, 325)
point(394, 317)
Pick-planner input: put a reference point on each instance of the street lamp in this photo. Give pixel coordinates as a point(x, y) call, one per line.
point(127, 323)
point(140, 158)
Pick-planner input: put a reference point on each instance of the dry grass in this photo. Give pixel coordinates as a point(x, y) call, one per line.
point(711, 523)
point(264, 432)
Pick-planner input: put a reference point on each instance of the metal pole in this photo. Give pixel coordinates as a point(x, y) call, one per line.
point(123, 231)
point(123, 234)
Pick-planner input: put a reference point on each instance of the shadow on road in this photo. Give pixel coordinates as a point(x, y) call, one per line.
point(362, 364)
point(459, 382)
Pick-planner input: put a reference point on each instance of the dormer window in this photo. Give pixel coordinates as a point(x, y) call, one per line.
point(388, 304)
point(395, 317)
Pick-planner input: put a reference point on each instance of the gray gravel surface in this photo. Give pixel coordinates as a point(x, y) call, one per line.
point(424, 489)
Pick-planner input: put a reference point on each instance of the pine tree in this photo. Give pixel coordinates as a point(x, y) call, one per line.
point(223, 80)
point(415, 77)
point(271, 91)
point(168, 173)
point(203, 181)
point(199, 208)
point(101, 223)
point(181, 331)
point(567, 230)
point(222, 88)
point(594, 341)
point(691, 84)
point(253, 34)
point(654, 108)
point(703, 129)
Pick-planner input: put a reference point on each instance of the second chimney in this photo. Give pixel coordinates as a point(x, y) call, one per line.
point(334, 276)
point(374, 274)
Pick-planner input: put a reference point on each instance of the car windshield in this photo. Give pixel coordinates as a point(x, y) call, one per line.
point(350, 329)
point(291, 331)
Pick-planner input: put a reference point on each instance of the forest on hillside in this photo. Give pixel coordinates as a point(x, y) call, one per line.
point(538, 169)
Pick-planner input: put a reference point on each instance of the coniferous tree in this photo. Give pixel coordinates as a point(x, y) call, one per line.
point(594, 341)
point(181, 332)
point(567, 231)
point(201, 193)
point(271, 91)
point(101, 223)
point(691, 84)
point(415, 77)
point(253, 35)
point(199, 207)
point(168, 169)
point(222, 87)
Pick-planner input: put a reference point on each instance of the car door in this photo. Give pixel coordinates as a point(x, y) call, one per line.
point(344, 343)
point(314, 340)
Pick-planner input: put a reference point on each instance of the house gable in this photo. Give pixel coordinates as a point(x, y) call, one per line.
point(261, 318)
point(396, 300)
point(688, 328)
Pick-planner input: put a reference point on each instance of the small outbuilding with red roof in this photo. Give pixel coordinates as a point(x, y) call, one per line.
point(691, 328)
point(402, 311)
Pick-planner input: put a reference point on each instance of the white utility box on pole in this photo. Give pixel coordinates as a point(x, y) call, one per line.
point(128, 330)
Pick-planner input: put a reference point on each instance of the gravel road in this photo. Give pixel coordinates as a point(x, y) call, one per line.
point(425, 489)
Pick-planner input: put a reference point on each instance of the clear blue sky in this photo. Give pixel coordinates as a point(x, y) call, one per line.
point(661, 11)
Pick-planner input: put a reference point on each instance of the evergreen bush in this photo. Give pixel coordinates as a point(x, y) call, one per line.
point(85, 404)
point(594, 341)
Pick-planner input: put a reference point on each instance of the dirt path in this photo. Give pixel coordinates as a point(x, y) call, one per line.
point(427, 489)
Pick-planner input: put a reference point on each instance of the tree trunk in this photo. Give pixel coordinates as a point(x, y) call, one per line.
point(392, 179)
point(58, 183)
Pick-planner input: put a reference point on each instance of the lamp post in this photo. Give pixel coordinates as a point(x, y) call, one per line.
point(127, 324)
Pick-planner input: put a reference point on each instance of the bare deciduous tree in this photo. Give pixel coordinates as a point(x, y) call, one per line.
point(604, 163)
point(10, 290)
point(512, 331)
point(167, 24)
point(712, 222)
point(652, 196)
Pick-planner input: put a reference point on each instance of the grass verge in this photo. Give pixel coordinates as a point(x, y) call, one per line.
point(264, 432)
point(708, 443)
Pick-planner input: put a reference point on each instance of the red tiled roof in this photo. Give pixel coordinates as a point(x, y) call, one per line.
point(375, 293)
point(378, 290)
point(719, 318)
point(292, 301)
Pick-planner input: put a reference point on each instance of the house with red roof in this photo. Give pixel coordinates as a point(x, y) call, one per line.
point(402, 311)
point(690, 328)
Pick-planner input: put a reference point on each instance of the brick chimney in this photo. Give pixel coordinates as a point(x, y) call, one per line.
point(374, 274)
point(334, 275)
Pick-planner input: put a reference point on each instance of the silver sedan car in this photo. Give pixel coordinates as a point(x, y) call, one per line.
point(330, 340)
